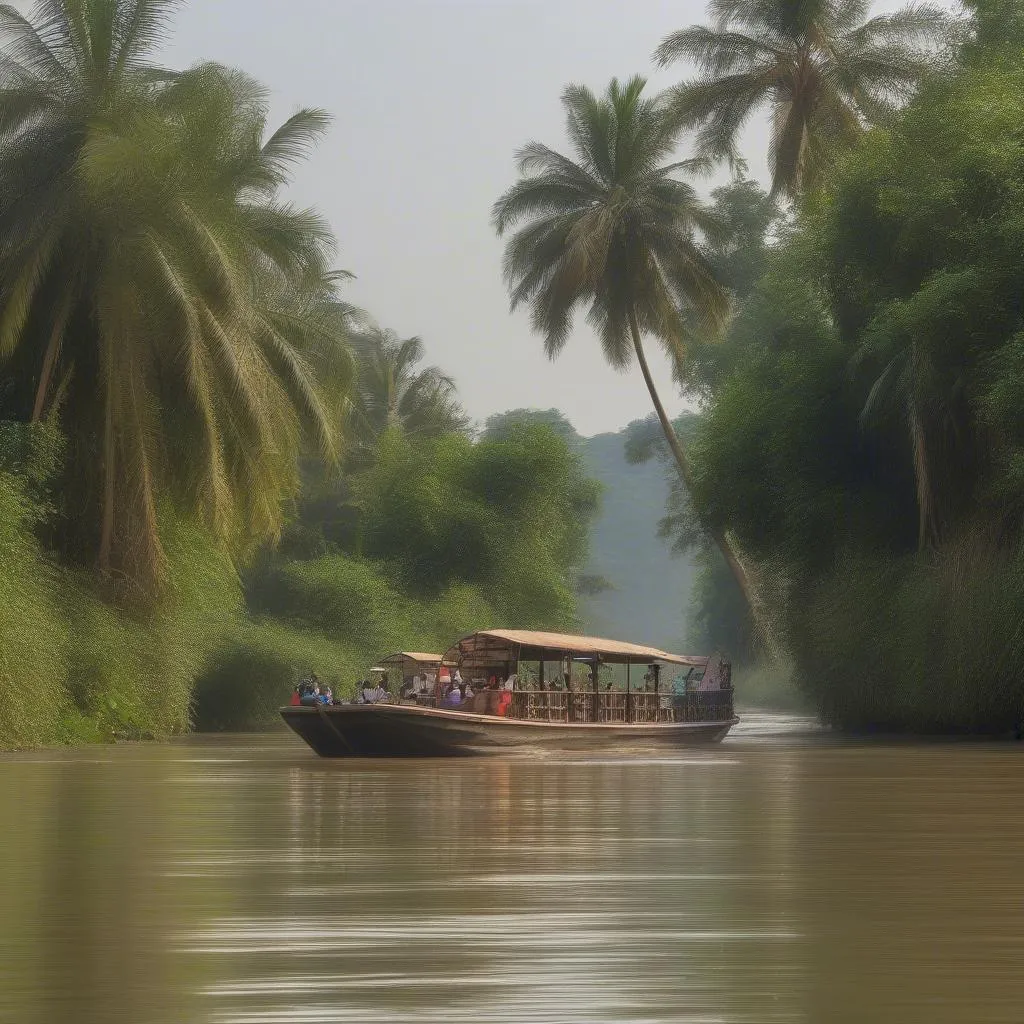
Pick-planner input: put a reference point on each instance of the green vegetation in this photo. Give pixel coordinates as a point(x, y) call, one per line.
point(616, 230)
point(214, 472)
point(863, 433)
point(824, 69)
point(155, 287)
point(72, 667)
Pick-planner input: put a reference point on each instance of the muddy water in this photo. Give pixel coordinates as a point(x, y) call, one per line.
point(783, 876)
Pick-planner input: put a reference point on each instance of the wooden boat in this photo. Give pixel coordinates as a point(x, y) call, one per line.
point(545, 708)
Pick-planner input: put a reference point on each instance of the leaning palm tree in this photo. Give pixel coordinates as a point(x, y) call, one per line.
point(158, 301)
point(822, 68)
point(615, 230)
point(393, 391)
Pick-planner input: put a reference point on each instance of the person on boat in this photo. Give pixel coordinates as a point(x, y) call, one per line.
point(296, 698)
point(311, 698)
point(327, 697)
point(374, 694)
point(453, 698)
point(504, 701)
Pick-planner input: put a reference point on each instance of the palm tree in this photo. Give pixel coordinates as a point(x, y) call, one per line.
point(823, 71)
point(616, 231)
point(158, 300)
point(393, 392)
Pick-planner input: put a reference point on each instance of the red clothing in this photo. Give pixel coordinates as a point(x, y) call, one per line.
point(295, 701)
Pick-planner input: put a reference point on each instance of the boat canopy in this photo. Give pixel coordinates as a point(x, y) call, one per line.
point(401, 657)
point(531, 645)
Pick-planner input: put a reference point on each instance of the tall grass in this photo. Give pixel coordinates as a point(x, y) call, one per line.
point(74, 668)
point(33, 636)
point(930, 644)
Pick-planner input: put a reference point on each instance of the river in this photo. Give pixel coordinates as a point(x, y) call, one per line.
point(782, 876)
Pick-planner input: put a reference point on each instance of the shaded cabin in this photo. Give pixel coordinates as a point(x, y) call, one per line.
point(560, 677)
point(410, 671)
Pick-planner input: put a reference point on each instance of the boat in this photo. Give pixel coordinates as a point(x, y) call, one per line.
point(534, 692)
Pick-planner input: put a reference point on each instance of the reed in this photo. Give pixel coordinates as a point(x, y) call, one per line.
point(925, 644)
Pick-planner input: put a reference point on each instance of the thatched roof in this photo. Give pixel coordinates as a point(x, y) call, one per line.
point(532, 642)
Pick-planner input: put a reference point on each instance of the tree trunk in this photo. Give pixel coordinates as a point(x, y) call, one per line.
point(927, 533)
point(50, 361)
point(728, 549)
point(109, 467)
point(927, 529)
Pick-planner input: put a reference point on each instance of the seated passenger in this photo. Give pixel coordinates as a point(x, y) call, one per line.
point(504, 702)
point(327, 697)
point(296, 699)
point(311, 698)
point(453, 698)
point(374, 694)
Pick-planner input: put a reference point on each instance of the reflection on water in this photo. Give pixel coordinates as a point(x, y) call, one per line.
point(782, 876)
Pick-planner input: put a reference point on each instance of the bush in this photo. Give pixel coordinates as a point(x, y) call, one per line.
point(335, 594)
point(919, 644)
point(74, 668)
point(254, 672)
point(333, 616)
point(33, 637)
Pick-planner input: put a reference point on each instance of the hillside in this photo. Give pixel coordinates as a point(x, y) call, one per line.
point(651, 595)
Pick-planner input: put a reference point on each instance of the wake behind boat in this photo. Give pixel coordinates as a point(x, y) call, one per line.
point(530, 691)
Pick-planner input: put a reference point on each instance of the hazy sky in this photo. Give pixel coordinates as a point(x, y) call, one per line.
point(430, 100)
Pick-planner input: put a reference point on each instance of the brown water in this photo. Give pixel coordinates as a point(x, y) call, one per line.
point(778, 877)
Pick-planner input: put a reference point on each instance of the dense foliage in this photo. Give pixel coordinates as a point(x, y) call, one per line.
point(183, 383)
point(183, 386)
point(823, 68)
point(864, 436)
point(158, 300)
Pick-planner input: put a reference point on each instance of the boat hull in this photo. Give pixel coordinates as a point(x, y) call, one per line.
point(400, 730)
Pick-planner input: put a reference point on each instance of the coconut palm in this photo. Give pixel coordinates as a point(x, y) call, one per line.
point(824, 70)
point(392, 391)
point(157, 299)
point(615, 230)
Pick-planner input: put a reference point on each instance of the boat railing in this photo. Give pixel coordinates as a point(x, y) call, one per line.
point(619, 707)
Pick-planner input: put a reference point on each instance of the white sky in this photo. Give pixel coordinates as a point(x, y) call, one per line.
point(430, 101)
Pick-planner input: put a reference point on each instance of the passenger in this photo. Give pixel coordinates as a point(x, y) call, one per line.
point(374, 694)
point(453, 698)
point(327, 697)
point(467, 692)
point(311, 698)
point(296, 697)
point(504, 701)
